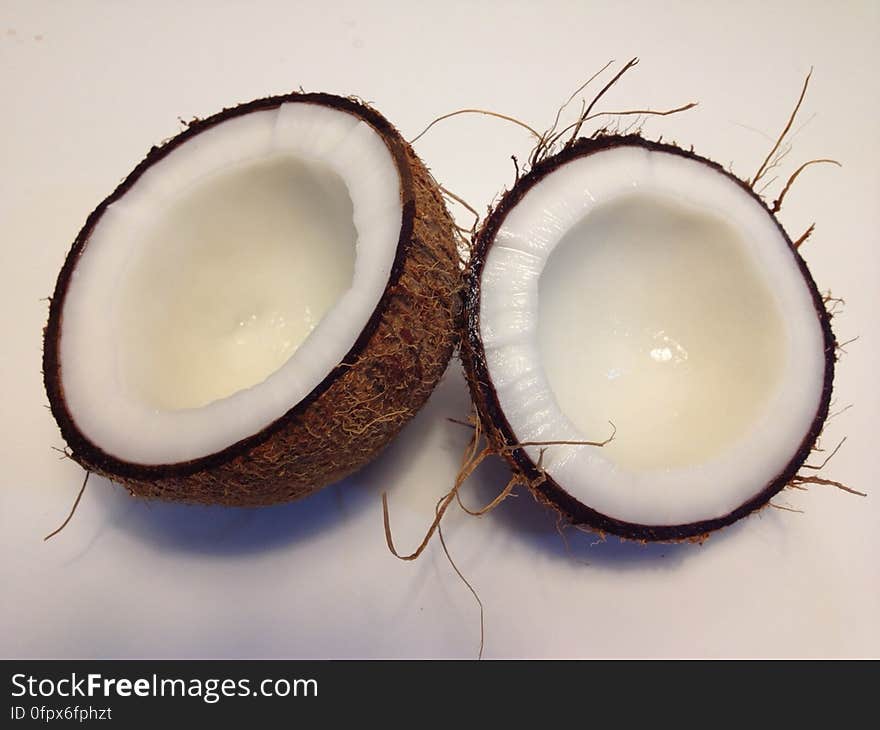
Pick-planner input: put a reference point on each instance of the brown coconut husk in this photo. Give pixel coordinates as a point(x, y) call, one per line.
point(359, 406)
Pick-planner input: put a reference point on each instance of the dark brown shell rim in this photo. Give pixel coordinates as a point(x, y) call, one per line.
point(545, 488)
point(91, 453)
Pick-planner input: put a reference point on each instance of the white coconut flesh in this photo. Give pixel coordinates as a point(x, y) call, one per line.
point(228, 281)
point(647, 289)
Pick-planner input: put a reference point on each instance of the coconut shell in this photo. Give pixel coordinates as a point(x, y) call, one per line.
point(499, 432)
point(359, 406)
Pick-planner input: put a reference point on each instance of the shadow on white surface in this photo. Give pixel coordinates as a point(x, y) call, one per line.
point(415, 470)
point(229, 530)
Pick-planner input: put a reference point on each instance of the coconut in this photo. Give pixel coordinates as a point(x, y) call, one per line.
point(257, 309)
point(644, 344)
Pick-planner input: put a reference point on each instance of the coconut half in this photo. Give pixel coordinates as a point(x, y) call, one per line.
point(257, 309)
point(629, 282)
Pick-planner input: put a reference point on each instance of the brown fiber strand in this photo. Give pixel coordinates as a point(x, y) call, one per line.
point(542, 141)
point(72, 510)
point(804, 236)
point(467, 206)
point(767, 184)
point(827, 482)
point(465, 236)
point(763, 168)
point(511, 485)
point(472, 458)
point(828, 458)
point(829, 297)
point(549, 139)
point(783, 507)
point(841, 346)
point(521, 444)
point(561, 524)
point(777, 204)
point(389, 539)
point(466, 582)
point(484, 112)
point(577, 91)
point(629, 64)
point(640, 112)
point(502, 495)
point(776, 162)
point(466, 470)
point(65, 454)
point(473, 446)
point(835, 414)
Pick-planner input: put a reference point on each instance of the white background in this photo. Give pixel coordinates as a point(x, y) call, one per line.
point(88, 87)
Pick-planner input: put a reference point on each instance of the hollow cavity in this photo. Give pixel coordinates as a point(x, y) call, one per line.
point(232, 278)
point(654, 316)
